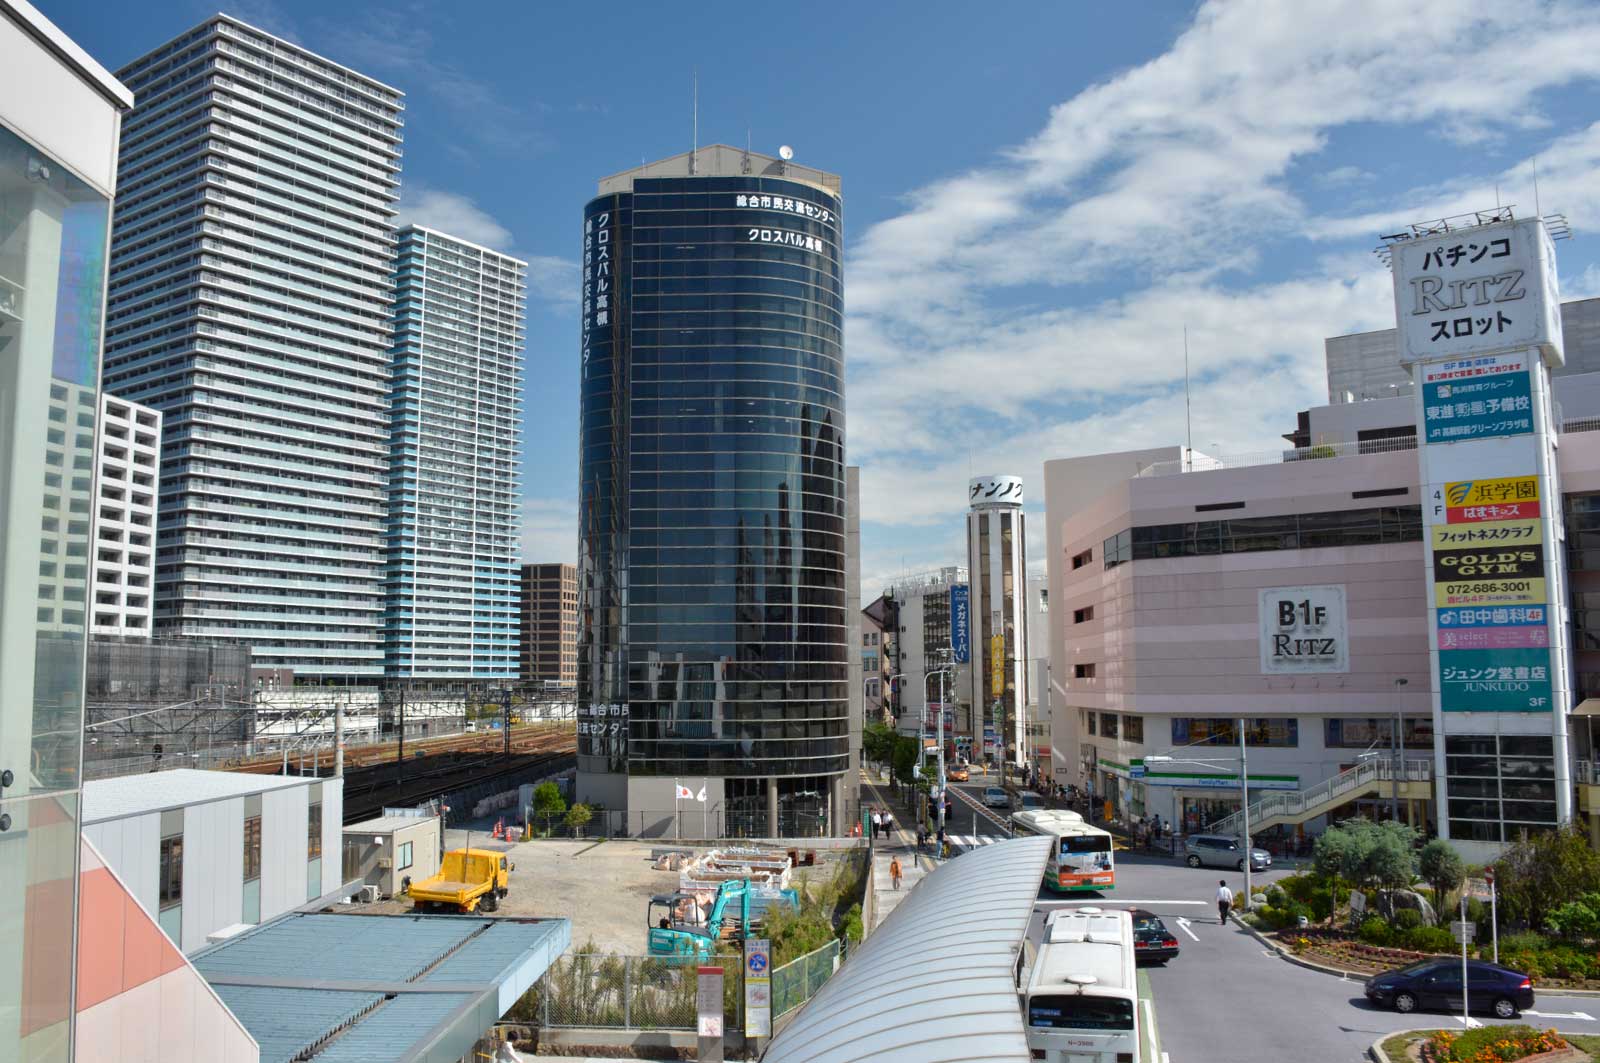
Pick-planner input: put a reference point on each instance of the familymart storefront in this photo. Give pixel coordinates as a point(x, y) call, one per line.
point(1190, 799)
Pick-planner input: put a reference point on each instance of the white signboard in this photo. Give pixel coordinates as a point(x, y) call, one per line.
point(1477, 289)
point(757, 987)
point(1462, 931)
point(708, 1001)
point(1303, 630)
point(985, 492)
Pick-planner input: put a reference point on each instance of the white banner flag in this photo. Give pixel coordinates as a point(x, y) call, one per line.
point(684, 793)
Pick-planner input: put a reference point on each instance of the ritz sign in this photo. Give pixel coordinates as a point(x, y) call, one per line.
point(1303, 630)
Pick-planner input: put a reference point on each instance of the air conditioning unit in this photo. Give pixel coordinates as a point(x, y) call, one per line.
point(369, 894)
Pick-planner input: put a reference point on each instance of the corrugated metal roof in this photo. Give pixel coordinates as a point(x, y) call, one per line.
point(299, 979)
point(494, 950)
point(339, 948)
point(402, 1022)
point(388, 824)
point(936, 983)
point(286, 1022)
point(132, 795)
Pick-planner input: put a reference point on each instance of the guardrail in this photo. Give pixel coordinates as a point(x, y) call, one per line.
point(798, 980)
point(1329, 792)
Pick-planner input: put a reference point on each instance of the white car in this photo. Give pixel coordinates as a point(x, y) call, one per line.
point(994, 797)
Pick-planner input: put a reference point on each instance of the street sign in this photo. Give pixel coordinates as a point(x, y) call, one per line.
point(708, 1002)
point(1463, 931)
point(757, 987)
point(1479, 889)
point(1358, 902)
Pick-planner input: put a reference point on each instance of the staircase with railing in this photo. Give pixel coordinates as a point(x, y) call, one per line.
point(1297, 806)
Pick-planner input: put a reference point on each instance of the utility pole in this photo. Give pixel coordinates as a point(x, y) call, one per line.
point(1395, 747)
point(1244, 809)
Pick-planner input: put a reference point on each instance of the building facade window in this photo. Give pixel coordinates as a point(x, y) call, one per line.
point(1304, 531)
point(1281, 732)
point(1375, 731)
point(313, 832)
point(1079, 616)
point(1133, 728)
point(1092, 722)
point(403, 856)
point(1083, 671)
point(1108, 725)
point(1079, 560)
point(1499, 785)
point(169, 887)
point(252, 848)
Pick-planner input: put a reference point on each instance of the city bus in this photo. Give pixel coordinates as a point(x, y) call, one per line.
point(1082, 998)
point(1082, 857)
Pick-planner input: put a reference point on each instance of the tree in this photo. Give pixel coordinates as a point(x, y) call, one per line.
point(548, 802)
point(1365, 853)
point(1440, 865)
point(906, 751)
point(578, 815)
point(1537, 876)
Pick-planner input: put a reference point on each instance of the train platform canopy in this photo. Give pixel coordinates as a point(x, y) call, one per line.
point(378, 989)
point(937, 982)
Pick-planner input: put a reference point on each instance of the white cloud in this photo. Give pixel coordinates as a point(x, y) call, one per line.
point(967, 335)
point(451, 213)
point(1343, 175)
point(553, 279)
point(549, 530)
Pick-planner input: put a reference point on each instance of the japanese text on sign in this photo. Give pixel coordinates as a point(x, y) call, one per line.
point(1505, 680)
point(1507, 532)
point(792, 239)
point(788, 206)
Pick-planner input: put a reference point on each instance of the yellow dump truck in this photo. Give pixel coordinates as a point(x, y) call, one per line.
point(470, 879)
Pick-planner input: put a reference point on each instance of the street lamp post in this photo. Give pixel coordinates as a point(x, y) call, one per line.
point(1395, 747)
point(1244, 799)
point(941, 673)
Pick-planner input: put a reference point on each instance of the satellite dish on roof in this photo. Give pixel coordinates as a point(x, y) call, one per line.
point(786, 153)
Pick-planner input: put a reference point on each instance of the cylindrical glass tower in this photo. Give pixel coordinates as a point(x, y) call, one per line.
point(712, 631)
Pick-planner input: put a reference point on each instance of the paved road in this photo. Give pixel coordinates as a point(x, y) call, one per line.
point(1226, 997)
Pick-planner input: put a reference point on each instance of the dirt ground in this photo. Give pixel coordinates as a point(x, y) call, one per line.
point(604, 887)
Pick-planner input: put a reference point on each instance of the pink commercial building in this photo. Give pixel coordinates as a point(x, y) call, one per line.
point(1180, 588)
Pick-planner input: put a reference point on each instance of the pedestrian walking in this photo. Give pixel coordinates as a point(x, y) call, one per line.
point(1224, 901)
point(894, 871)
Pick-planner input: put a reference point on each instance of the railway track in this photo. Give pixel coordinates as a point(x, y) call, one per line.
point(525, 738)
point(368, 791)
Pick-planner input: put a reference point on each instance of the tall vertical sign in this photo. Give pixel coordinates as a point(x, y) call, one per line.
point(960, 622)
point(1479, 324)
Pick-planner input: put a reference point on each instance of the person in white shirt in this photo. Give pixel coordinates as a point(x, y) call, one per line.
point(1224, 901)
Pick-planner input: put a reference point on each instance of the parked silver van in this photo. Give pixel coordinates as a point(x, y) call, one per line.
point(1217, 850)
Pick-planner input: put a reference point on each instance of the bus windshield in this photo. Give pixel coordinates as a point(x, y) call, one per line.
point(1079, 1012)
point(1094, 843)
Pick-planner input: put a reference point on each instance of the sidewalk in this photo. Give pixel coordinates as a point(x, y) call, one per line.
point(900, 842)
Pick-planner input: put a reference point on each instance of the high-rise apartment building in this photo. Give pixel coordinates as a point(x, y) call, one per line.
point(123, 571)
point(455, 436)
point(59, 112)
point(549, 630)
point(251, 284)
point(714, 643)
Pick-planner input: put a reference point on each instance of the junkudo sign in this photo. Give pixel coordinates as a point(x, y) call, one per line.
point(1304, 630)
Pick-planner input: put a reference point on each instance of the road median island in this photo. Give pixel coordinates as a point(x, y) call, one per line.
point(1504, 1044)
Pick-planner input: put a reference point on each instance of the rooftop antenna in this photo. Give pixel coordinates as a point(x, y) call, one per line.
point(694, 148)
point(1188, 426)
point(744, 164)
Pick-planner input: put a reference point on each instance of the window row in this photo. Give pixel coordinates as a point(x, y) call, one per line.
point(1304, 531)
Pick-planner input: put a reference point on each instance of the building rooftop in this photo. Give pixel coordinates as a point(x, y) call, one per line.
point(938, 980)
point(385, 824)
point(133, 795)
point(722, 160)
point(374, 989)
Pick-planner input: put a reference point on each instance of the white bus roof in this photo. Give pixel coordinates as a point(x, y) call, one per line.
point(1098, 945)
point(1046, 820)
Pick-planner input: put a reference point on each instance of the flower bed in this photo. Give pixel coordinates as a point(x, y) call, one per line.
point(1338, 949)
point(1496, 1044)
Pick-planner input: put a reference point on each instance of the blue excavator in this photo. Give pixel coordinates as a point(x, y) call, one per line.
point(681, 928)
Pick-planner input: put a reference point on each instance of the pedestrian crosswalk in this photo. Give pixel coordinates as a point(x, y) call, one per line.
point(973, 841)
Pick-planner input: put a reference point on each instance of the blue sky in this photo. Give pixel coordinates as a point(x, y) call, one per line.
point(1036, 205)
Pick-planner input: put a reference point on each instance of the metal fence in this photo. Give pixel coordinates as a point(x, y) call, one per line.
point(629, 992)
point(798, 980)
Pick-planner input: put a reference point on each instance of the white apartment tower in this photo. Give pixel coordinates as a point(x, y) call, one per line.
point(453, 559)
point(125, 517)
point(250, 299)
point(997, 558)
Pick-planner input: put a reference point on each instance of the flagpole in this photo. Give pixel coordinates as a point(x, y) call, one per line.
point(705, 810)
point(677, 831)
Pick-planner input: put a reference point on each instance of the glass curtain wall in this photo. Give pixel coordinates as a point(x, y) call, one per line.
point(53, 240)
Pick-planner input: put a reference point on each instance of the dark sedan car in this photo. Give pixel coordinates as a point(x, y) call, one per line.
point(1152, 941)
point(1436, 983)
